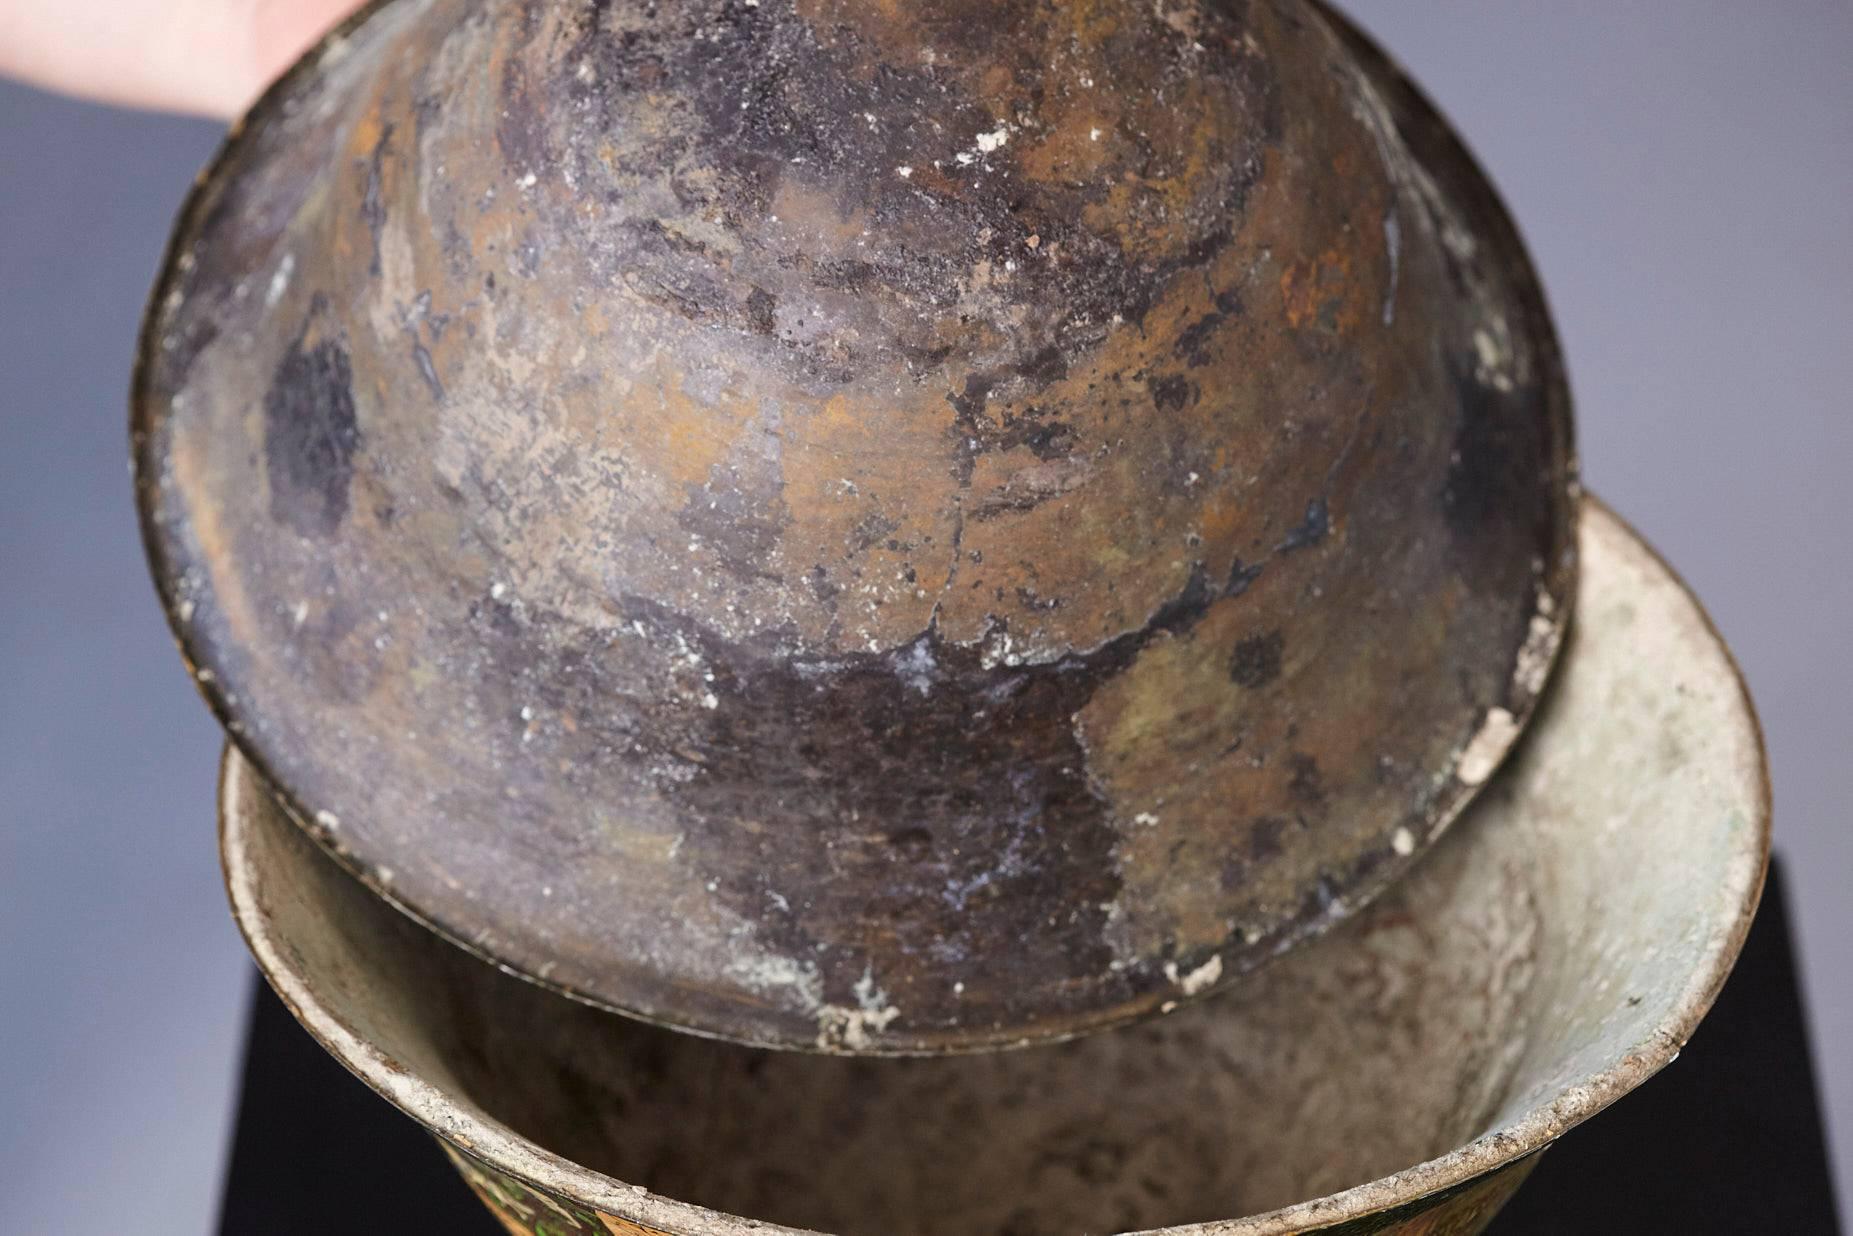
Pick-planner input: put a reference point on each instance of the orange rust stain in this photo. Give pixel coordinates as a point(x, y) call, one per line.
point(894, 27)
point(1067, 151)
point(868, 505)
point(1141, 208)
point(691, 437)
point(1319, 291)
point(1092, 22)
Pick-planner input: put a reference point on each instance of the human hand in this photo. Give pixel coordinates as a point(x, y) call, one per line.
point(206, 57)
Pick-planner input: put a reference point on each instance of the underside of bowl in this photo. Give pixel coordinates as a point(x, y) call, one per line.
point(1554, 951)
point(882, 528)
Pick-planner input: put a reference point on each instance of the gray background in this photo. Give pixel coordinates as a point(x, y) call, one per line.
point(1683, 172)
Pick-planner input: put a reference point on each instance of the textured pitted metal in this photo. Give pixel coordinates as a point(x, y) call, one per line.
point(874, 527)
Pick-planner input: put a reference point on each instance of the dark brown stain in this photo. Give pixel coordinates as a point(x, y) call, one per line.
point(1264, 837)
point(310, 437)
point(1172, 393)
point(1306, 784)
point(1256, 661)
point(1194, 343)
point(762, 311)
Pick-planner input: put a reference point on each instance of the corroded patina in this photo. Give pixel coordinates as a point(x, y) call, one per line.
point(882, 527)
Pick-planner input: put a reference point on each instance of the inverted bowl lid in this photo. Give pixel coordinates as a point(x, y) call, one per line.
point(1563, 942)
point(868, 528)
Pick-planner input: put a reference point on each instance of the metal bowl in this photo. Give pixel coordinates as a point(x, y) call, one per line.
point(1400, 1075)
point(883, 528)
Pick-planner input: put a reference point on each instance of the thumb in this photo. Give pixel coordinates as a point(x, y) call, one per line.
point(281, 30)
point(206, 57)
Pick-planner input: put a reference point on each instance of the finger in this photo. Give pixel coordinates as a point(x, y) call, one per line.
point(281, 31)
point(206, 57)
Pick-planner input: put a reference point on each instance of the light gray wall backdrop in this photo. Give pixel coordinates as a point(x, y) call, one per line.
point(1683, 172)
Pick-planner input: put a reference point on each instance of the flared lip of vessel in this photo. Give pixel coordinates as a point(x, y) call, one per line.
point(1733, 906)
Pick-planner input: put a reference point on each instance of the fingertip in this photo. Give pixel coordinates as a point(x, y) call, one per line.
point(282, 30)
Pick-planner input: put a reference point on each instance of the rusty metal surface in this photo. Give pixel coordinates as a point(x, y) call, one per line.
point(847, 525)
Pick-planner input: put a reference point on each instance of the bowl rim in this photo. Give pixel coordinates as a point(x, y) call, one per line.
point(501, 1148)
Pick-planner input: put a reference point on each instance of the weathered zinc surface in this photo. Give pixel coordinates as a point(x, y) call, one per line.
point(877, 526)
